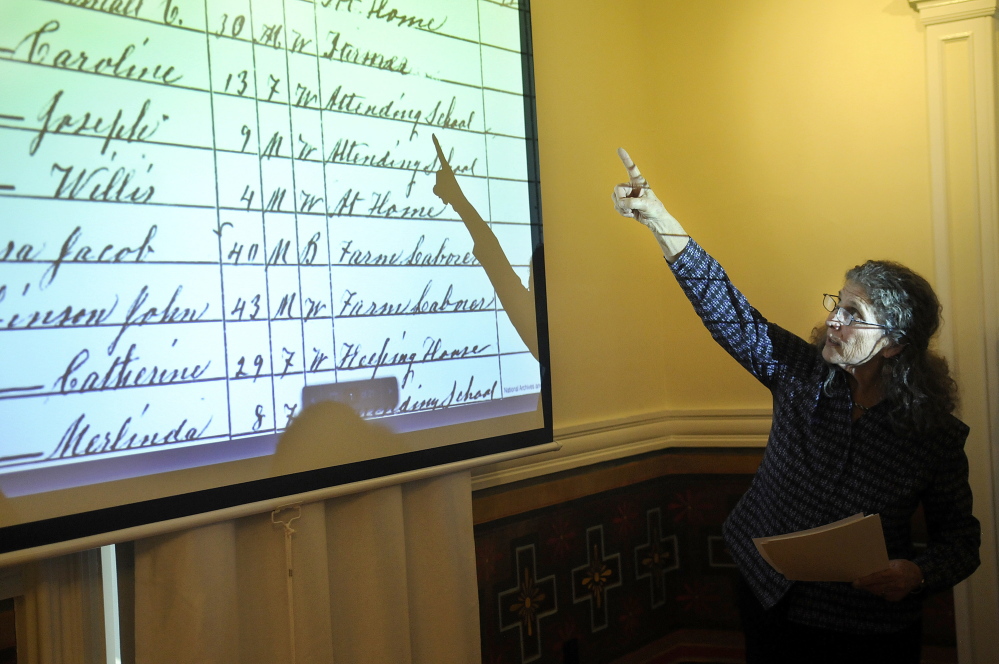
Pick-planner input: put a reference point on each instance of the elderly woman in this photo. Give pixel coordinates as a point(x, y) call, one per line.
point(861, 423)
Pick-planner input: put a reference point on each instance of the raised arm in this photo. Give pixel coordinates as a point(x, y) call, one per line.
point(517, 301)
point(637, 200)
point(765, 350)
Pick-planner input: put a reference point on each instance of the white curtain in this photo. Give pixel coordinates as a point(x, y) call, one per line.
point(60, 617)
point(386, 576)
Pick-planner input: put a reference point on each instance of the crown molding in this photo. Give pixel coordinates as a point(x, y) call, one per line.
point(590, 443)
point(946, 11)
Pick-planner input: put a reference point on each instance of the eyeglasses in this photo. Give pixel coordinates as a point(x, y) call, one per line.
point(831, 303)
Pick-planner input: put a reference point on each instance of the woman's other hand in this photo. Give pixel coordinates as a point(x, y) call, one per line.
point(894, 583)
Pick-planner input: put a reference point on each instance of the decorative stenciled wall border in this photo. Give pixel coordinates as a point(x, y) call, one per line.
point(607, 558)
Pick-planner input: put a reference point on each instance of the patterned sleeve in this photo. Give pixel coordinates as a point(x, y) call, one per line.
point(762, 348)
point(954, 533)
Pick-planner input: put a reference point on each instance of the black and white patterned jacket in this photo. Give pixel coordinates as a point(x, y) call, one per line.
point(820, 466)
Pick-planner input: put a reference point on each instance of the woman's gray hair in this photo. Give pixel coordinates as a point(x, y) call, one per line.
point(916, 382)
point(902, 299)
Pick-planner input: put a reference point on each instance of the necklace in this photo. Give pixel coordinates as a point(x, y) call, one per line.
point(857, 405)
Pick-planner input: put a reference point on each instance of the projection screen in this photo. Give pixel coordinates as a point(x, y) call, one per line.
point(224, 273)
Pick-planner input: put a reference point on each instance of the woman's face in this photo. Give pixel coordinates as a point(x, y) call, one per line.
point(850, 346)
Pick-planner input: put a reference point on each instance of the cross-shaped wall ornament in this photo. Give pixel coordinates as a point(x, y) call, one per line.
point(590, 582)
point(526, 603)
point(656, 557)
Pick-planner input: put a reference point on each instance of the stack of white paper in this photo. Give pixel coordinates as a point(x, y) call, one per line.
point(845, 550)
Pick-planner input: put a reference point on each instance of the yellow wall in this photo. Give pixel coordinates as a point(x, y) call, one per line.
point(789, 137)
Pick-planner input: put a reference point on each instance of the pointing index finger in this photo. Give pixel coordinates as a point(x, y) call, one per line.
point(636, 177)
point(440, 153)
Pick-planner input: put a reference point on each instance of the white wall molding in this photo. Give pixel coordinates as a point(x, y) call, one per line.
point(932, 12)
point(609, 440)
point(962, 96)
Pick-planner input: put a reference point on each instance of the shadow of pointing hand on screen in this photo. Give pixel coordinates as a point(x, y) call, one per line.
point(516, 300)
point(447, 188)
